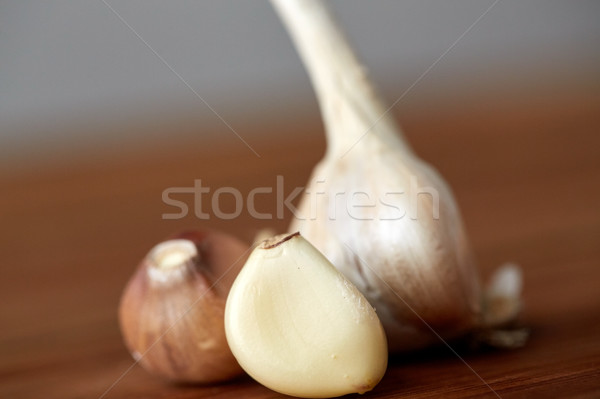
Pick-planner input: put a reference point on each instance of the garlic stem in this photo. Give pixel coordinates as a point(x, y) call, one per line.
point(350, 105)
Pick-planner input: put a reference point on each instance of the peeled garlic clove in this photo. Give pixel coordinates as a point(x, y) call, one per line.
point(171, 313)
point(299, 327)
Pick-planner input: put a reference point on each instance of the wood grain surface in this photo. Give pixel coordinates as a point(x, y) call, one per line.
point(526, 174)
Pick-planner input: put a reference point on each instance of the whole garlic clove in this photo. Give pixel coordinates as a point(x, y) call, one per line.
point(299, 327)
point(171, 313)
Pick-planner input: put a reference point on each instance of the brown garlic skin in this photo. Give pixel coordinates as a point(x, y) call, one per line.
point(172, 310)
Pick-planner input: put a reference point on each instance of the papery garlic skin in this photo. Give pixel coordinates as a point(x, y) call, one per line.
point(418, 272)
point(299, 327)
point(502, 296)
point(172, 309)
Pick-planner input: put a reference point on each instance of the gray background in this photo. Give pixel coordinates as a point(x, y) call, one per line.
point(67, 64)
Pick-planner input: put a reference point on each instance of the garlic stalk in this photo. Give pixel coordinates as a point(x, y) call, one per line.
point(406, 249)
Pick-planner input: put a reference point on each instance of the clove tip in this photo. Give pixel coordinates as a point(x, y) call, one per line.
point(277, 240)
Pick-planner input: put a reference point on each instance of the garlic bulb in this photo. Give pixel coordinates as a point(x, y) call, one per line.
point(402, 242)
point(171, 313)
point(299, 327)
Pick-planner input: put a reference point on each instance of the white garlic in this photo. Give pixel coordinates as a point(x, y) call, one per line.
point(298, 326)
point(406, 249)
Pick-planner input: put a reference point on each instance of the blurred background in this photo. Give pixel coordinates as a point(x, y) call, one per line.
point(76, 81)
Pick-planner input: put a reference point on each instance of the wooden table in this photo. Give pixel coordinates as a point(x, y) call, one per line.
point(526, 174)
